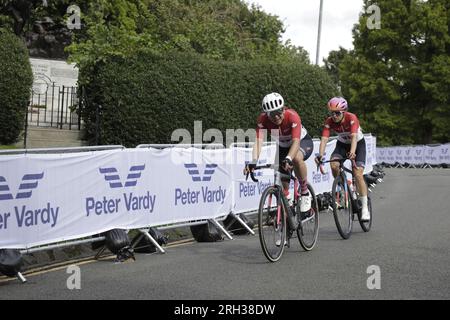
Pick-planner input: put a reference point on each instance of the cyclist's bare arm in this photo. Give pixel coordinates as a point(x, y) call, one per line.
point(293, 150)
point(354, 143)
point(257, 149)
point(323, 145)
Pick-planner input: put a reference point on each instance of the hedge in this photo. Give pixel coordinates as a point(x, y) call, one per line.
point(16, 79)
point(146, 97)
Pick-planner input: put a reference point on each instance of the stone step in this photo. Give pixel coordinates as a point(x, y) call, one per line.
point(53, 134)
point(38, 137)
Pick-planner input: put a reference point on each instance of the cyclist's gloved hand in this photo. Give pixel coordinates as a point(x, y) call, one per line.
point(249, 167)
point(287, 164)
point(318, 159)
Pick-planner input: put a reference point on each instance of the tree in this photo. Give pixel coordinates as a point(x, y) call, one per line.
point(332, 63)
point(15, 86)
point(220, 29)
point(397, 77)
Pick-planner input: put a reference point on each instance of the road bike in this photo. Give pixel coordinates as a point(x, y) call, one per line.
point(345, 202)
point(277, 220)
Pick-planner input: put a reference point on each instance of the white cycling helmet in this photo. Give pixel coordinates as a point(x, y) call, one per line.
point(272, 102)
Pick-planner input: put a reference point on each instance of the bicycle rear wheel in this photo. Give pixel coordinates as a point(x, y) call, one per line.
point(308, 231)
point(272, 224)
point(366, 225)
point(342, 206)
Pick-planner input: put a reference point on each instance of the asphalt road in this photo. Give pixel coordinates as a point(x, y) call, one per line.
point(409, 242)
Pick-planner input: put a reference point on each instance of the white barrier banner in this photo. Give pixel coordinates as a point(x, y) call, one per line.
point(415, 155)
point(195, 184)
point(408, 155)
point(431, 154)
point(369, 153)
point(321, 182)
point(444, 154)
point(390, 155)
point(247, 193)
point(381, 155)
point(46, 198)
point(399, 154)
point(49, 198)
point(374, 151)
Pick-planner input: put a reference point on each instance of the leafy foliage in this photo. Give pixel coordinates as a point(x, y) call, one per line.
point(398, 77)
point(146, 97)
point(218, 29)
point(15, 85)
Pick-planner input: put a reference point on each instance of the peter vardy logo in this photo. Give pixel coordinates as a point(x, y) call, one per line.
point(444, 154)
point(113, 178)
point(24, 215)
point(407, 152)
point(195, 173)
point(418, 152)
point(129, 202)
point(318, 177)
point(251, 189)
point(205, 194)
point(29, 182)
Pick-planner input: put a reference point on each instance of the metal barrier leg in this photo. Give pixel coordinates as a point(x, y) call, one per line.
point(145, 232)
point(221, 228)
point(138, 239)
point(238, 218)
point(99, 253)
point(21, 277)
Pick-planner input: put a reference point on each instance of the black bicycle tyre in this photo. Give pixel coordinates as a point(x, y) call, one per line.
point(345, 234)
point(315, 207)
point(368, 224)
point(261, 225)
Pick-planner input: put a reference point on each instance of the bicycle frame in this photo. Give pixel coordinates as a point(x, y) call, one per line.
point(279, 186)
point(343, 170)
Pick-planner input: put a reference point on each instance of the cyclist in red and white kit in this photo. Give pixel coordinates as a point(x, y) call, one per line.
point(350, 144)
point(295, 144)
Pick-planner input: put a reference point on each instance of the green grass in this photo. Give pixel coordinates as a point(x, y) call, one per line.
point(7, 147)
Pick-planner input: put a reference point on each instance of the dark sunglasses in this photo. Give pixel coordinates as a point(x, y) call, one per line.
point(336, 113)
point(273, 114)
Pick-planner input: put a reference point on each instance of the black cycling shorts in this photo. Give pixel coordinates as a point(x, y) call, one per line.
point(306, 148)
point(342, 149)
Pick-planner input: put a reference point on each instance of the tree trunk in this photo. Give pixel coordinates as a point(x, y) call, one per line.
point(427, 133)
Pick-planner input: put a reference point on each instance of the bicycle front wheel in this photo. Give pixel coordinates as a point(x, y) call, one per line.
point(342, 206)
point(272, 224)
point(308, 231)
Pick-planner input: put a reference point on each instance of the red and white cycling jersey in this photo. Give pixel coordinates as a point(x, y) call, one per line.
point(344, 129)
point(290, 128)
